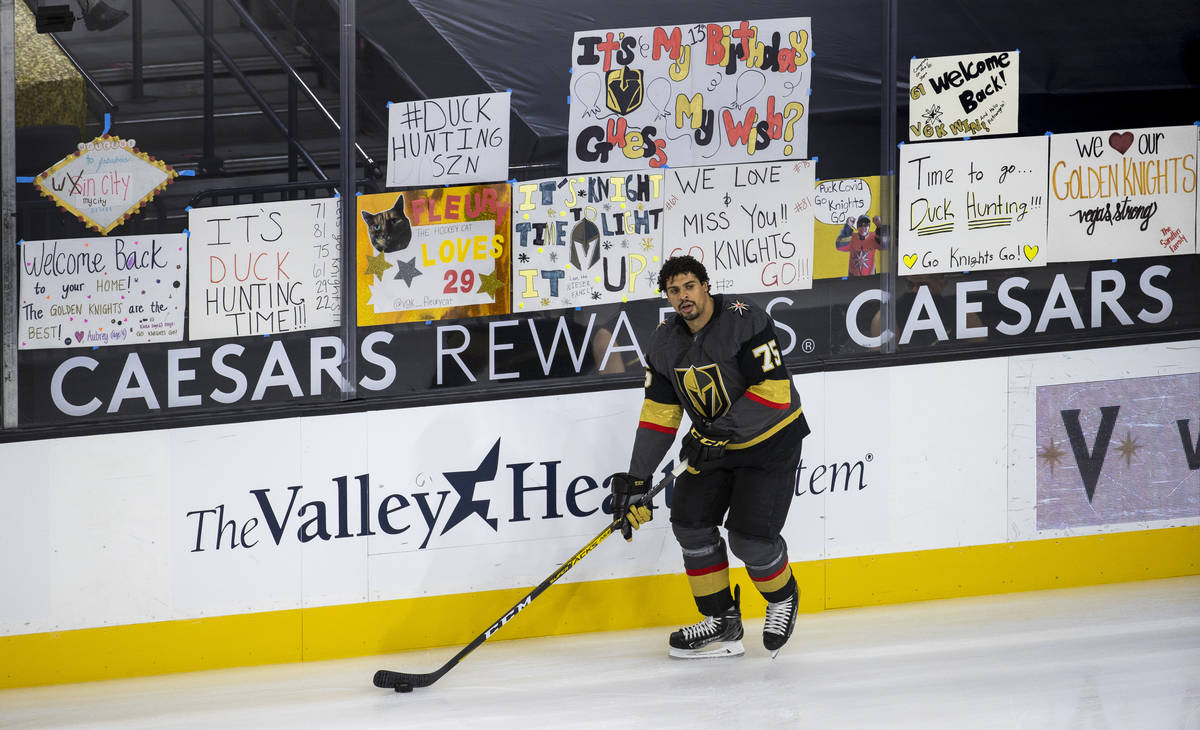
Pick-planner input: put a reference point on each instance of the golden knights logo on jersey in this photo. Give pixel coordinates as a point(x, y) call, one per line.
point(705, 389)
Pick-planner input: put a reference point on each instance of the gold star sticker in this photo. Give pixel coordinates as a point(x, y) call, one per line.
point(490, 284)
point(1051, 455)
point(377, 265)
point(1129, 447)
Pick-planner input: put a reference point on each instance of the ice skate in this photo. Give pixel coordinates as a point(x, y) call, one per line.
point(715, 636)
point(780, 620)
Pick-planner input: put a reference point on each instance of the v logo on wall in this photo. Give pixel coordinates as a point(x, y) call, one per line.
point(1118, 451)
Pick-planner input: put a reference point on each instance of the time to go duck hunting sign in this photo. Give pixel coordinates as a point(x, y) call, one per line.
point(104, 181)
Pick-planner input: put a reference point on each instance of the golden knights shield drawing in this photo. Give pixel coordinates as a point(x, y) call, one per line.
point(705, 389)
point(624, 89)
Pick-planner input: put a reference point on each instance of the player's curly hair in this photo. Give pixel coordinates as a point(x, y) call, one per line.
point(677, 265)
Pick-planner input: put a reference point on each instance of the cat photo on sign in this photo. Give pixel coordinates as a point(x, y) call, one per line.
point(389, 230)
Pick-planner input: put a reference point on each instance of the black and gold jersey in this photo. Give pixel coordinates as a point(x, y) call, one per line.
point(729, 377)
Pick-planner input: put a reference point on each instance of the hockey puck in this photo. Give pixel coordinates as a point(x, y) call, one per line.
point(404, 687)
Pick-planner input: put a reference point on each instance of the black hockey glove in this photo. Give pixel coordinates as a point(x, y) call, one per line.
point(696, 448)
point(627, 492)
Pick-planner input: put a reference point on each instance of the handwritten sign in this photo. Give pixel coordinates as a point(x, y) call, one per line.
point(1123, 193)
point(93, 292)
point(963, 96)
point(588, 239)
point(440, 253)
point(702, 94)
point(972, 205)
point(104, 181)
point(750, 225)
point(264, 268)
point(834, 201)
point(848, 237)
point(453, 140)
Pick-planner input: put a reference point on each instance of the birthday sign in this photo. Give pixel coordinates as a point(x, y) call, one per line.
point(104, 181)
point(972, 205)
point(264, 268)
point(702, 94)
point(1123, 193)
point(750, 225)
point(963, 96)
point(102, 291)
point(453, 140)
point(433, 254)
point(589, 239)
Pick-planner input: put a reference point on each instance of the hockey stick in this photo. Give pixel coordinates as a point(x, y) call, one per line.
point(404, 682)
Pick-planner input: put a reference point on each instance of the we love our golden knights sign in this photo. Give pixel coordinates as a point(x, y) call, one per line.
point(105, 181)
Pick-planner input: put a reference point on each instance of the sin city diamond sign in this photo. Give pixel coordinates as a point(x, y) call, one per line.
point(104, 181)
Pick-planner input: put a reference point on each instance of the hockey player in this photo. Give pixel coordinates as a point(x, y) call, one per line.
point(718, 360)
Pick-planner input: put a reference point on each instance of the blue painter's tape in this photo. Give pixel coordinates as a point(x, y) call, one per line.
point(187, 233)
point(188, 208)
point(1051, 134)
point(186, 173)
point(22, 179)
point(107, 124)
point(568, 100)
point(389, 106)
point(815, 159)
point(966, 138)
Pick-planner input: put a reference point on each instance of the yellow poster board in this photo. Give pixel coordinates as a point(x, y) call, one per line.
point(439, 253)
point(841, 249)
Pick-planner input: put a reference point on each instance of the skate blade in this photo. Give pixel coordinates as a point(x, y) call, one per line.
point(713, 650)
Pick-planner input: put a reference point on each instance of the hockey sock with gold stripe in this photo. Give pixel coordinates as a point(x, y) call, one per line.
point(708, 575)
point(775, 581)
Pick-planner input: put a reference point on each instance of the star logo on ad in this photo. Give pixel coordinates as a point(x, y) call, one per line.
point(464, 483)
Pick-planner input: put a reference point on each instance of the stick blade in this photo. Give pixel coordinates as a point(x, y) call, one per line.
point(386, 679)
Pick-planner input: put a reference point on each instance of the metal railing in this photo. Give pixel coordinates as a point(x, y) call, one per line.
point(204, 28)
point(296, 86)
point(302, 190)
point(89, 81)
